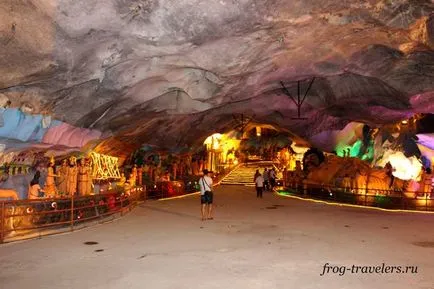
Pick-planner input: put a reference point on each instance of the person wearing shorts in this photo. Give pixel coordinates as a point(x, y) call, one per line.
point(259, 184)
point(206, 196)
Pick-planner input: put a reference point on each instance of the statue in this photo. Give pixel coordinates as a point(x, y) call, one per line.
point(175, 170)
point(50, 185)
point(140, 176)
point(133, 176)
point(181, 168)
point(71, 188)
point(83, 179)
point(89, 178)
point(62, 174)
point(165, 177)
point(122, 180)
point(200, 165)
point(8, 193)
point(194, 167)
point(34, 187)
point(146, 168)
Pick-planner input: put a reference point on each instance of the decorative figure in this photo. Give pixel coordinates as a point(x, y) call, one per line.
point(298, 174)
point(89, 177)
point(140, 176)
point(346, 183)
point(8, 193)
point(50, 185)
point(122, 180)
point(426, 182)
point(34, 187)
point(83, 178)
point(146, 169)
point(151, 172)
point(132, 180)
point(71, 188)
point(194, 167)
point(165, 177)
point(62, 177)
point(175, 170)
point(133, 176)
point(201, 162)
point(181, 168)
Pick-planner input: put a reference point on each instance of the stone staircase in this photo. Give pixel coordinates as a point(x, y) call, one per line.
point(243, 175)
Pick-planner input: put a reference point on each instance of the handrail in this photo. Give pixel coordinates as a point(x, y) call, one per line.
point(377, 197)
point(22, 218)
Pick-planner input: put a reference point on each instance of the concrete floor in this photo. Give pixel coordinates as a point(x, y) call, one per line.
point(164, 245)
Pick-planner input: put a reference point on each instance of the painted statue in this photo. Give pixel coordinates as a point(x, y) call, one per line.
point(62, 177)
point(83, 179)
point(89, 178)
point(174, 170)
point(133, 176)
point(72, 174)
point(50, 184)
point(8, 193)
point(122, 180)
point(140, 176)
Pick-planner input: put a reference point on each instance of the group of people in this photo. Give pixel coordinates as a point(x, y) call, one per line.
point(265, 181)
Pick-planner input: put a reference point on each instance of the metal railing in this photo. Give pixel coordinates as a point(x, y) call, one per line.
point(22, 219)
point(26, 219)
point(371, 197)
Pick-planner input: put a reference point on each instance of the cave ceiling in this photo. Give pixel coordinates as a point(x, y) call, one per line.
point(169, 72)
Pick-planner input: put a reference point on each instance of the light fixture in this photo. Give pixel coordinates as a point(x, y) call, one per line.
point(104, 166)
point(258, 131)
point(404, 121)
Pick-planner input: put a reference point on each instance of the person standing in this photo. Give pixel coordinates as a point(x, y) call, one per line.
point(265, 176)
point(206, 196)
point(257, 173)
point(272, 178)
point(259, 184)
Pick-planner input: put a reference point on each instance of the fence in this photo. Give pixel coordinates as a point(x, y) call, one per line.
point(387, 199)
point(24, 219)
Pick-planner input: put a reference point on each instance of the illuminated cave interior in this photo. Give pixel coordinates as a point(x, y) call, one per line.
point(349, 79)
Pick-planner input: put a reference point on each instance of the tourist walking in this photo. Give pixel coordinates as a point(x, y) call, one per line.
point(206, 196)
point(259, 184)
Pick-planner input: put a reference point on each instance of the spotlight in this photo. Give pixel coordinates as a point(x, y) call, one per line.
point(404, 122)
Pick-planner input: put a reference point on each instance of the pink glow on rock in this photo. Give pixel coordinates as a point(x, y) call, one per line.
point(423, 103)
point(70, 136)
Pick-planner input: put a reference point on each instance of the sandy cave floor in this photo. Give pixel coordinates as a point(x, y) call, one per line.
point(273, 242)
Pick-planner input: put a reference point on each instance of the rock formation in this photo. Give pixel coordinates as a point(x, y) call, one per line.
point(170, 73)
